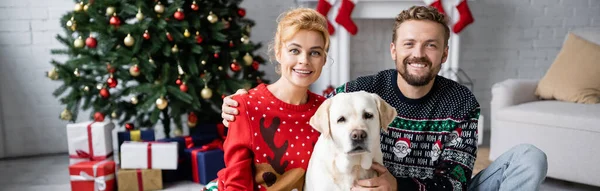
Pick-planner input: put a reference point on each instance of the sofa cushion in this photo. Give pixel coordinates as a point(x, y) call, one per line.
point(554, 114)
point(573, 76)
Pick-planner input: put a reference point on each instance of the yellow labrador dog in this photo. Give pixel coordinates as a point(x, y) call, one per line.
point(350, 125)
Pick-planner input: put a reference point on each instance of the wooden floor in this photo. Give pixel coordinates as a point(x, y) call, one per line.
point(482, 160)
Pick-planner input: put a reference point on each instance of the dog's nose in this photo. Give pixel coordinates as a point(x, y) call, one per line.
point(358, 135)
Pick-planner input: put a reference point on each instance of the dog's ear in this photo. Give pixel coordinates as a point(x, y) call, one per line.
point(387, 113)
point(320, 120)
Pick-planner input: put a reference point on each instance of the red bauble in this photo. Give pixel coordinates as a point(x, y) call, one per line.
point(241, 12)
point(255, 65)
point(110, 69)
point(114, 20)
point(216, 55)
point(231, 44)
point(178, 81)
point(192, 117)
point(199, 39)
point(104, 93)
point(169, 37)
point(183, 88)
point(195, 6)
point(91, 42)
point(98, 117)
point(179, 15)
point(235, 67)
point(112, 82)
point(146, 35)
point(129, 126)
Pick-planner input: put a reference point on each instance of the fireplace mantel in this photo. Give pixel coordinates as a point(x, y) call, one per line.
point(339, 72)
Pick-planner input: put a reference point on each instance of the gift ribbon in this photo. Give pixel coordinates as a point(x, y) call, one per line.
point(215, 144)
point(135, 135)
point(85, 155)
point(189, 143)
point(149, 155)
point(139, 178)
point(99, 182)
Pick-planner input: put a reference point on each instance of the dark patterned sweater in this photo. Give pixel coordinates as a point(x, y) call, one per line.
point(432, 143)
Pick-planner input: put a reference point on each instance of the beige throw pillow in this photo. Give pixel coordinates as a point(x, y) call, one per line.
point(575, 74)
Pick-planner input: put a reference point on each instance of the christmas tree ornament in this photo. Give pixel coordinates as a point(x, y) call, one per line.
point(180, 70)
point(235, 66)
point(203, 62)
point(220, 68)
point(161, 103)
point(52, 74)
point(78, 43)
point(129, 41)
point(186, 33)
point(241, 12)
point(159, 8)
point(178, 81)
point(169, 37)
point(72, 24)
point(231, 44)
point(99, 86)
point(129, 126)
point(114, 20)
point(98, 117)
point(78, 7)
point(114, 114)
point(112, 82)
point(91, 42)
point(104, 93)
point(206, 93)
point(86, 7)
point(174, 49)
point(134, 70)
point(192, 119)
point(110, 10)
point(66, 115)
point(245, 39)
point(109, 68)
point(212, 18)
point(146, 35)
point(344, 17)
point(177, 132)
point(179, 14)
point(86, 88)
point(139, 16)
point(76, 72)
point(194, 6)
point(248, 59)
point(199, 38)
point(151, 61)
point(323, 7)
point(183, 87)
point(255, 65)
point(216, 55)
point(134, 100)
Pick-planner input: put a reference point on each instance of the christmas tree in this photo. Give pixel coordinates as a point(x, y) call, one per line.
point(145, 61)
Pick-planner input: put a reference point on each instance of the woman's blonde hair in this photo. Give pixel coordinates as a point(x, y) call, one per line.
point(294, 20)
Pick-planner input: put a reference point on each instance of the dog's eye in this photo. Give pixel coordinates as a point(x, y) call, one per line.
point(367, 115)
point(341, 120)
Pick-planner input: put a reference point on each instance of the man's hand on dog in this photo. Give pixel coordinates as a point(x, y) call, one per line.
point(228, 109)
point(385, 181)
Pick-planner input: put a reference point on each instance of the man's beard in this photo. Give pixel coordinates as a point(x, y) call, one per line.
point(415, 80)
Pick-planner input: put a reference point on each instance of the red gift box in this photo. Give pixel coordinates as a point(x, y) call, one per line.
point(93, 176)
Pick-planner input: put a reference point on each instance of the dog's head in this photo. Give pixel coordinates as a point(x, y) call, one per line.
point(353, 121)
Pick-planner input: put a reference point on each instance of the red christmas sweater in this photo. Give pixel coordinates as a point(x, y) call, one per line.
point(269, 145)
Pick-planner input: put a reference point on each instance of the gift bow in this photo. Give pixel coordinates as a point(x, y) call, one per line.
point(99, 182)
point(215, 144)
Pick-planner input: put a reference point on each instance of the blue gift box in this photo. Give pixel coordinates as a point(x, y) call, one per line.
point(205, 164)
point(135, 135)
point(184, 168)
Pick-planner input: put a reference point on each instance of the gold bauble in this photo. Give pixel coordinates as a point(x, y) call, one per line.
point(248, 59)
point(86, 88)
point(129, 41)
point(134, 100)
point(78, 43)
point(159, 8)
point(66, 115)
point(212, 18)
point(139, 16)
point(203, 62)
point(86, 7)
point(70, 23)
point(174, 49)
point(114, 114)
point(76, 72)
point(99, 86)
point(110, 10)
point(220, 68)
point(78, 7)
point(206, 93)
point(134, 70)
point(161, 103)
point(245, 39)
point(186, 33)
point(151, 61)
point(52, 74)
point(177, 132)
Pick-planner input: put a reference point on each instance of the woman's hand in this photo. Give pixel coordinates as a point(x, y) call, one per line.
point(228, 109)
point(385, 181)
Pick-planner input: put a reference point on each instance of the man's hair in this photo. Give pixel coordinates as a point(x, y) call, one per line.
point(423, 13)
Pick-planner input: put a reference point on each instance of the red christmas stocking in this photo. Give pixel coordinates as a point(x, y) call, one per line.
point(323, 7)
point(465, 17)
point(344, 19)
point(437, 4)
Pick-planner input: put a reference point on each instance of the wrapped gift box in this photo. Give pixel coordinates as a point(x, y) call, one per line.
point(89, 141)
point(93, 176)
point(140, 179)
point(184, 168)
point(149, 155)
point(133, 135)
point(205, 164)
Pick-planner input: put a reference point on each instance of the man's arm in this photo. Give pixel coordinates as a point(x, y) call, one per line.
point(364, 83)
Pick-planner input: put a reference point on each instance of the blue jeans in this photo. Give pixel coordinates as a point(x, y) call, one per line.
point(523, 167)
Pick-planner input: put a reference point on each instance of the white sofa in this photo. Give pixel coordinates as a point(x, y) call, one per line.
point(569, 133)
